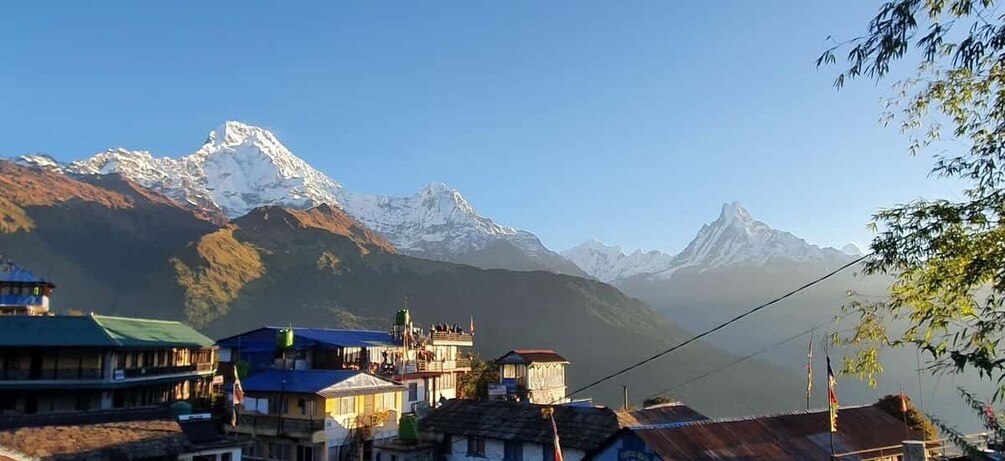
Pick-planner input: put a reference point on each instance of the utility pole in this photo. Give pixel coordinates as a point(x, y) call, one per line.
point(625, 386)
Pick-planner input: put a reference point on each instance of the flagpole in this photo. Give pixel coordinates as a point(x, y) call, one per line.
point(809, 373)
point(903, 410)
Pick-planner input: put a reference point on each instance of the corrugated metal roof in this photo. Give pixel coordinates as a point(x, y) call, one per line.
point(660, 414)
point(578, 427)
point(322, 382)
point(96, 331)
point(10, 272)
point(795, 436)
point(528, 356)
point(263, 339)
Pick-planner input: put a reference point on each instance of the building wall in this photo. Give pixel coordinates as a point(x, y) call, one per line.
point(627, 447)
point(495, 450)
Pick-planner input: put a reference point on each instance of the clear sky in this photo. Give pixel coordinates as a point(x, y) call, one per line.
point(628, 121)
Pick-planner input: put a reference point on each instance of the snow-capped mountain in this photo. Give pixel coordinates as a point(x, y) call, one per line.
point(608, 263)
point(734, 239)
point(241, 167)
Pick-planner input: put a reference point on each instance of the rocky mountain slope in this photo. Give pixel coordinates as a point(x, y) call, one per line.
point(241, 167)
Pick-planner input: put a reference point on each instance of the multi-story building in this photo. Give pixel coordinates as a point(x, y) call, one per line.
point(427, 363)
point(317, 415)
point(534, 375)
point(54, 364)
point(22, 292)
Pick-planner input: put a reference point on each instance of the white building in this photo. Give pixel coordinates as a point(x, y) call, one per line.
point(533, 375)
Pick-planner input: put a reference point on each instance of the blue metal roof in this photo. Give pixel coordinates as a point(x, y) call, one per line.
point(295, 381)
point(10, 272)
point(264, 339)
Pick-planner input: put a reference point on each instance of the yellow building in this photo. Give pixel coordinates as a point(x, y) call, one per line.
point(314, 415)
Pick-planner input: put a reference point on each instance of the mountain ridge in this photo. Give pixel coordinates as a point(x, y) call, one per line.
point(240, 167)
point(733, 239)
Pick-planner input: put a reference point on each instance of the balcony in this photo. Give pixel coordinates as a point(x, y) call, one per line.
point(172, 370)
point(445, 338)
point(68, 375)
point(274, 425)
point(436, 366)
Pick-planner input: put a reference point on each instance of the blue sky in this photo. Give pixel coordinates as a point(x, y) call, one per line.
point(628, 121)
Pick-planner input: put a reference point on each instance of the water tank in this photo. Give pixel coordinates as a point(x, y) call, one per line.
point(402, 318)
point(181, 408)
point(284, 339)
point(408, 429)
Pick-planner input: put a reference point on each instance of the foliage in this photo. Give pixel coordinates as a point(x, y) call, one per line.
point(658, 400)
point(948, 257)
point(915, 419)
point(475, 384)
point(227, 265)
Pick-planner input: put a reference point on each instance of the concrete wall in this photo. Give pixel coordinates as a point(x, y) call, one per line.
point(495, 450)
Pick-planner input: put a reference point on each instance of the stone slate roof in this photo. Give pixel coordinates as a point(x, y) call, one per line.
point(117, 440)
point(792, 436)
point(659, 414)
point(584, 428)
point(96, 331)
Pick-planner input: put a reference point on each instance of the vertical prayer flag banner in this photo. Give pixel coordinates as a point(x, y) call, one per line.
point(558, 446)
point(903, 400)
point(832, 400)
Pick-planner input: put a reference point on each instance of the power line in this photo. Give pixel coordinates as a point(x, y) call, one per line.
point(747, 357)
point(720, 326)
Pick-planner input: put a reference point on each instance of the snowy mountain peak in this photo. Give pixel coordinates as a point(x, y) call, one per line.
point(735, 238)
point(232, 133)
point(852, 249)
point(735, 211)
point(609, 263)
point(41, 161)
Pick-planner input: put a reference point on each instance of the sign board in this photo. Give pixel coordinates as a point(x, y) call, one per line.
point(218, 379)
point(119, 375)
point(497, 389)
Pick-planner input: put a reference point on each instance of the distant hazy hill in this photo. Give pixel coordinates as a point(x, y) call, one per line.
point(114, 247)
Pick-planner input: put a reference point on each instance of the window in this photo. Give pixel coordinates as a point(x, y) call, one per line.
point(547, 452)
point(305, 453)
point(385, 402)
point(476, 446)
point(279, 451)
point(347, 405)
point(302, 406)
point(226, 456)
point(448, 443)
point(394, 457)
point(513, 451)
point(413, 392)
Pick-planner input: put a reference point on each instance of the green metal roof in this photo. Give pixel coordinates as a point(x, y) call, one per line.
point(96, 331)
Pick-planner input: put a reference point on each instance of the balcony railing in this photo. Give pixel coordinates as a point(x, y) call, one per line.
point(279, 426)
point(442, 365)
point(455, 337)
point(50, 374)
point(173, 370)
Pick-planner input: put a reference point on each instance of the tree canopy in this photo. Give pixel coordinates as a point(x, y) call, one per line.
point(947, 257)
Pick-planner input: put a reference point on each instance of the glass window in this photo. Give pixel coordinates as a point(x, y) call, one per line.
point(347, 405)
point(413, 392)
point(476, 446)
point(513, 451)
point(302, 406)
point(448, 443)
point(305, 453)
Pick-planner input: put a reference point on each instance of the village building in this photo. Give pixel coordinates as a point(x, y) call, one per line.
point(65, 364)
point(533, 375)
point(428, 363)
point(864, 433)
point(514, 431)
point(317, 415)
point(22, 292)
